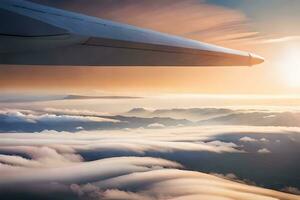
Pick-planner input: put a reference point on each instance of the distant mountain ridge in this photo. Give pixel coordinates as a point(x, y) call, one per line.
point(193, 114)
point(79, 97)
point(223, 116)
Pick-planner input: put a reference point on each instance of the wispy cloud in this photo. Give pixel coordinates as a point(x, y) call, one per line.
point(281, 39)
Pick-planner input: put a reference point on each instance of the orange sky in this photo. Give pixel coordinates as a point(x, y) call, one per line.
point(226, 26)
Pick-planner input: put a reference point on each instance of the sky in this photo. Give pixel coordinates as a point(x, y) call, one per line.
point(144, 133)
point(267, 28)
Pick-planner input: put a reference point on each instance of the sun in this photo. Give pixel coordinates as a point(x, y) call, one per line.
point(290, 66)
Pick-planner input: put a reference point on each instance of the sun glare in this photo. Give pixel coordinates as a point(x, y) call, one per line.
point(290, 67)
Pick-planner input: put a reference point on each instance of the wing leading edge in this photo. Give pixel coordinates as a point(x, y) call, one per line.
point(32, 34)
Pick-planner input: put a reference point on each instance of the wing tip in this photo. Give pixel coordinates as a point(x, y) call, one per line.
point(256, 59)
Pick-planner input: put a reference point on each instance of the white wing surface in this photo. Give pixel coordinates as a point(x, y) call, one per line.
point(33, 34)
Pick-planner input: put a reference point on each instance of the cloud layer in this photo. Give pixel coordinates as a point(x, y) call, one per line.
point(164, 155)
point(14, 120)
point(74, 164)
point(117, 178)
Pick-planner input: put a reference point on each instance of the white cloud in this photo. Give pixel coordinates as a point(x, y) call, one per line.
point(264, 140)
point(156, 125)
point(80, 128)
point(291, 190)
point(173, 184)
point(74, 112)
point(83, 170)
point(115, 194)
point(248, 139)
point(69, 118)
point(220, 143)
point(235, 178)
point(43, 156)
point(140, 140)
point(226, 146)
point(229, 176)
point(264, 151)
point(270, 116)
point(16, 116)
point(13, 116)
point(133, 140)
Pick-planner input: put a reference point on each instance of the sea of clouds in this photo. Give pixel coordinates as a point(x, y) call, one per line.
point(143, 154)
point(18, 120)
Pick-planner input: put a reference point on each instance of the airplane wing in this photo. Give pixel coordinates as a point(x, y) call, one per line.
point(33, 34)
